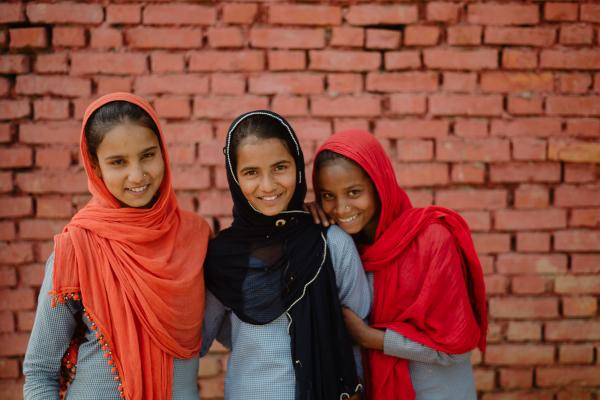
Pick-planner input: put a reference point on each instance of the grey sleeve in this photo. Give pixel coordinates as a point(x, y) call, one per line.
point(395, 344)
point(215, 324)
point(351, 279)
point(50, 337)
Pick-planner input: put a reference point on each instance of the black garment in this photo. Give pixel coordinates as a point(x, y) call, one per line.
point(262, 267)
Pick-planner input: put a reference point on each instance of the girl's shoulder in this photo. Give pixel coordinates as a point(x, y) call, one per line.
point(337, 237)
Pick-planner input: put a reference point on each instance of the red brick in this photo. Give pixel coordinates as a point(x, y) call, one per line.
point(576, 34)
point(239, 13)
point(173, 106)
point(414, 150)
point(227, 106)
point(408, 104)
point(530, 196)
point(284, 60)
point(478, 220)
point(288, 83)
point(576, 354)
point(375, 14)
point(17, 299)
point(525, 105)
point(516, 82)
point(338, 60)
point(172, 83)
point(580, 306)
point(590, 12)
point(68, 36)
point(524, 331)
point(40, 228)
point(572, 330)
point(28, 37)
point(408, 59)
point(182, 154)
point(109, 84)
point(311, 129)
point(6, 182)
point(539, 127)
point(172, 38)
point(54, 207)
point(537, 37)
point(341, 106)
point(529, 284)
point(65, 12)
point(301, 14)
point(347, 37)
point(55, 62)
point(579, 173)
point(13, 344)
point(227, 84)
point(480, 199)
point(524, 307)
point(49, 108)
point(587, 217)
point(56, 85)
point(402, 82)
point(577, 196)
point(421, 198)
point(9, 368)
point(465, 104)
point(14, 64)
point(495, 284)
point(290, 106)
point(569, 105)
point(503, 14)
point(470, 127)
point(4, 87)
point(52, 182)
point(585, 127)
point(584, 59)
point(465, 35)
point(108, 63)
point(442, 11)
point(224, 61)
point(382, 39)
point(528, 149)
point(7, 232)
point(167, 62)
point(573, 150)
point(530, 264)
point(568, 376)
point(484, 379)
point(577, 240)
point(187, 132)
point(5, 133)
point(516, 378)
point(344, 83)
point(528, 242)
point(15, 207)
point(50, 132)
point(411, 128)
point(345, 124)
point(191, 177)
point(215, 203)
point(123, 14)
point(25, 320)
point(287, 38)
point(468, 173)
point(530, 219)
point(525, 172)
point(106, 38)
point(11, 12)
point(560, 12)
point(458, 149)
point(519, 58)
point(178, 14)
point(526, 354)
point(582, 284)
point(14, 109)
point(53, 157)
point(574, 83)
point(229, 37)
point(575, 394)
point(422, 174)
point(461, 59)
point(415, 35)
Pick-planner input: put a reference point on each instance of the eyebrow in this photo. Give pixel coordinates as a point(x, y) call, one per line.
point(117, 156)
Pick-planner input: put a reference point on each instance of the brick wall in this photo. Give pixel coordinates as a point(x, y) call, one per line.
point(490, 108)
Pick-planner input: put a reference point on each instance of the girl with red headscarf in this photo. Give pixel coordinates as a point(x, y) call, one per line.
point(429, 308)
point(121, 307)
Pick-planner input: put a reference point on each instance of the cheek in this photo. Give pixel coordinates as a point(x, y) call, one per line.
point(246, 186)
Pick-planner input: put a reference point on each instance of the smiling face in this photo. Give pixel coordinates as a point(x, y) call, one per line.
point(266, 172)
point(347, 195)
point(130, 163)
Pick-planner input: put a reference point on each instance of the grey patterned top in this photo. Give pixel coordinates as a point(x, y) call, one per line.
point(260, 364)
point(50, 337)
point(434, 375)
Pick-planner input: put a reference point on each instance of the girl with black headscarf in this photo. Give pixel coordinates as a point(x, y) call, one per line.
point(277, 281)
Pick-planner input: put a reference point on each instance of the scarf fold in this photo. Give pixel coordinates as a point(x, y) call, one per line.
point(428, 281)
point(265, 266)
point(139, 275)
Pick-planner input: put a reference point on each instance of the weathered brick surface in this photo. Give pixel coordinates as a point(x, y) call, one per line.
point(491, 108)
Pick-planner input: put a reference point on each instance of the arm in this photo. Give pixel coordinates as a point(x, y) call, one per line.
point(52, 331)
point(215, 325)
point(399, 346)
point(352, 284)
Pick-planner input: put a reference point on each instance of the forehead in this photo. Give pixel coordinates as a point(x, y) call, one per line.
point(127, 137)
point(255, 150)
point(340, 172)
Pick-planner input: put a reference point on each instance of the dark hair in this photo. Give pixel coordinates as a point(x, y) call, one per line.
point(261, 126)
point(328, 156)
point(110, 115)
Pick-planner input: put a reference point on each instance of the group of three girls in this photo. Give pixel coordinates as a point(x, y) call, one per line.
point(122, 305)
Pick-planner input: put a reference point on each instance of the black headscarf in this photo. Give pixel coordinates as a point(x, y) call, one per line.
point(264, 266)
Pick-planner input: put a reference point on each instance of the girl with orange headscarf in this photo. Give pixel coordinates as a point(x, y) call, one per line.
point(121, 306)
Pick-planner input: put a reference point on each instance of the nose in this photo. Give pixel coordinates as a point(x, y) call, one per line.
point(340, 205)
point(267, 184)
point(136, 173)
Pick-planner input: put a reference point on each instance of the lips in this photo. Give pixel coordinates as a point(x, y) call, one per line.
point(348, 219)
point(138, 189)
point(270, 198)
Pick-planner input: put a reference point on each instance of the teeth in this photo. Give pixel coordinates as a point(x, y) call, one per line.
point(138, 189)
point(269, 198)
point(349, 219)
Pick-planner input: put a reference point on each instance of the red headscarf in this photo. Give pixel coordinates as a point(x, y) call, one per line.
point(428, 282)
point(139, 273)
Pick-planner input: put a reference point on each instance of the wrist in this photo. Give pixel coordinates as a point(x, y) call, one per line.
point(373, 339)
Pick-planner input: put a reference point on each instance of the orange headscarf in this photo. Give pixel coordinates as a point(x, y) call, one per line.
point(139, 274)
